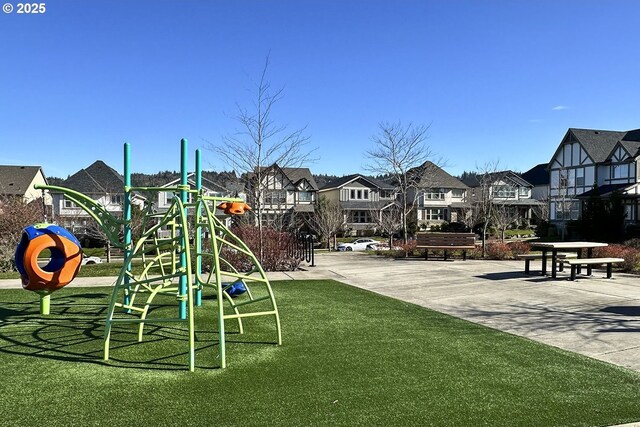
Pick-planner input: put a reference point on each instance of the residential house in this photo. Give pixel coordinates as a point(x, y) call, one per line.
point(19, 181)
point(510, 193)
point(102, 184)
point(362, 200)
point(538, 177)
point(282, 195)
point(439, 197)
point(209, 188)
point(591, 162)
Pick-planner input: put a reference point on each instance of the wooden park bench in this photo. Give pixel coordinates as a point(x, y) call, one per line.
point(445, 242)
point(589, 262)
point(529, 257)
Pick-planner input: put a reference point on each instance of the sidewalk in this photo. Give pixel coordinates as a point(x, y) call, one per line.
point(594, 316)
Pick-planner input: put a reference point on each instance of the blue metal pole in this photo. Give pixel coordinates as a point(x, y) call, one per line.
point(198, 236)
point(182, 285)
point(127, 218)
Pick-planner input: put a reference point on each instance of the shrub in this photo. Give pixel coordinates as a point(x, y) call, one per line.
point(631, 256)
point(498, 251)
point(518, 248)
point(633, 243)
point(276, 250)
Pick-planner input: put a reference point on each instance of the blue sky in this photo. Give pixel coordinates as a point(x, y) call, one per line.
point(496, 80)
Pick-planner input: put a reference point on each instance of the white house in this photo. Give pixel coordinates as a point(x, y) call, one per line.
point(591, 162)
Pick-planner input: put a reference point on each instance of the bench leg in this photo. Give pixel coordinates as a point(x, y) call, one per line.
point(609, 268)
point(589, 270)
point(561, 266)
point(445, 254)
point(464, 254)
point(426, 254)
point(573, 272)
point(527, 263)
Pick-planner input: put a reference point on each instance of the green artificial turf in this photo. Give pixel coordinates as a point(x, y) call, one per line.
point(349, 358)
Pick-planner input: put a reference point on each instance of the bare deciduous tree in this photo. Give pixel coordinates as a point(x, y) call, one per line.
point(15, 214)
point(388, 220)
point(327, 220)
point(398, 149)
point(261, 142)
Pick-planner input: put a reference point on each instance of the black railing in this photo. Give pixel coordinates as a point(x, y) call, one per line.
point(302, 247)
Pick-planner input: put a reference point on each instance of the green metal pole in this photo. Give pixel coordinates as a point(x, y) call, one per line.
point(182, 284)
point(198, 237)
point(127, 218)
point(45, 303)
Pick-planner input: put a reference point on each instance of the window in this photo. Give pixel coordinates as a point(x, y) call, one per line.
point(580, 177)
point(116, 199)
point(434, 194)
point(523, 192)
point(304, 196)
point(359, 194)
point(361, 217)
point(275, 197)
point(504, 191)
point(434, 214)
point(386, 194)
point(69, 204)
point(457, 194)
point(619, 171)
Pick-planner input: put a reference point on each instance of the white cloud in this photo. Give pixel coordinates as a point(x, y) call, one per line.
point(560, 107)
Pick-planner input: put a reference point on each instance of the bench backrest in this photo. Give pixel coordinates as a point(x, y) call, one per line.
point(446, 239)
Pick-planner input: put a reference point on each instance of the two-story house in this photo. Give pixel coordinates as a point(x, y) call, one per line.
point(362, 200)
point(19, 181)
point(439, 196)
point(209, 188)
point(281, 195)
point(99, 182)
point(510, 194)
point(591, 162)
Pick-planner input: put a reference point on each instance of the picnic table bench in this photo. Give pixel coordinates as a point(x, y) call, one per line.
point(589, 262)
point(445, 242)
point(529, 257)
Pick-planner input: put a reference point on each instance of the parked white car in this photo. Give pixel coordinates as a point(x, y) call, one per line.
point(86, 260)
point(358, 245)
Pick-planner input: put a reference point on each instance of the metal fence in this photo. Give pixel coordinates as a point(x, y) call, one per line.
point(302, 247)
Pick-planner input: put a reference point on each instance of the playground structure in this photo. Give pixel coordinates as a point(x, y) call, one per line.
point(64, 262)
point(170, 249)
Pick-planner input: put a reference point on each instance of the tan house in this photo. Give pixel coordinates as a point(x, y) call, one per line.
point(19, 181)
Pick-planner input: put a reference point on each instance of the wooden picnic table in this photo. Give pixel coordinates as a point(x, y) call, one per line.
point(554, 247)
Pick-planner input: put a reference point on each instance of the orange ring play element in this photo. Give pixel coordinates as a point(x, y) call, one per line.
point(234, 208)
point(38, 278)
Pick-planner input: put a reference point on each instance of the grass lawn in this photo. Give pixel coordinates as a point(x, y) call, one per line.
point(350, 357)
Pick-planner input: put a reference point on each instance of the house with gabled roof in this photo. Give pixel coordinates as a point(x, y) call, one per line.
point(283, 194)
point(538, 177)
point(209, 188)
point(438, 196)
point(19, 181)
point(362, 199)
point(510, 192)
point(100, 182)
point(590, 162)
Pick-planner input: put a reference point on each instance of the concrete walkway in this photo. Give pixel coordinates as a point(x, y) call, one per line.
point(594, 316)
